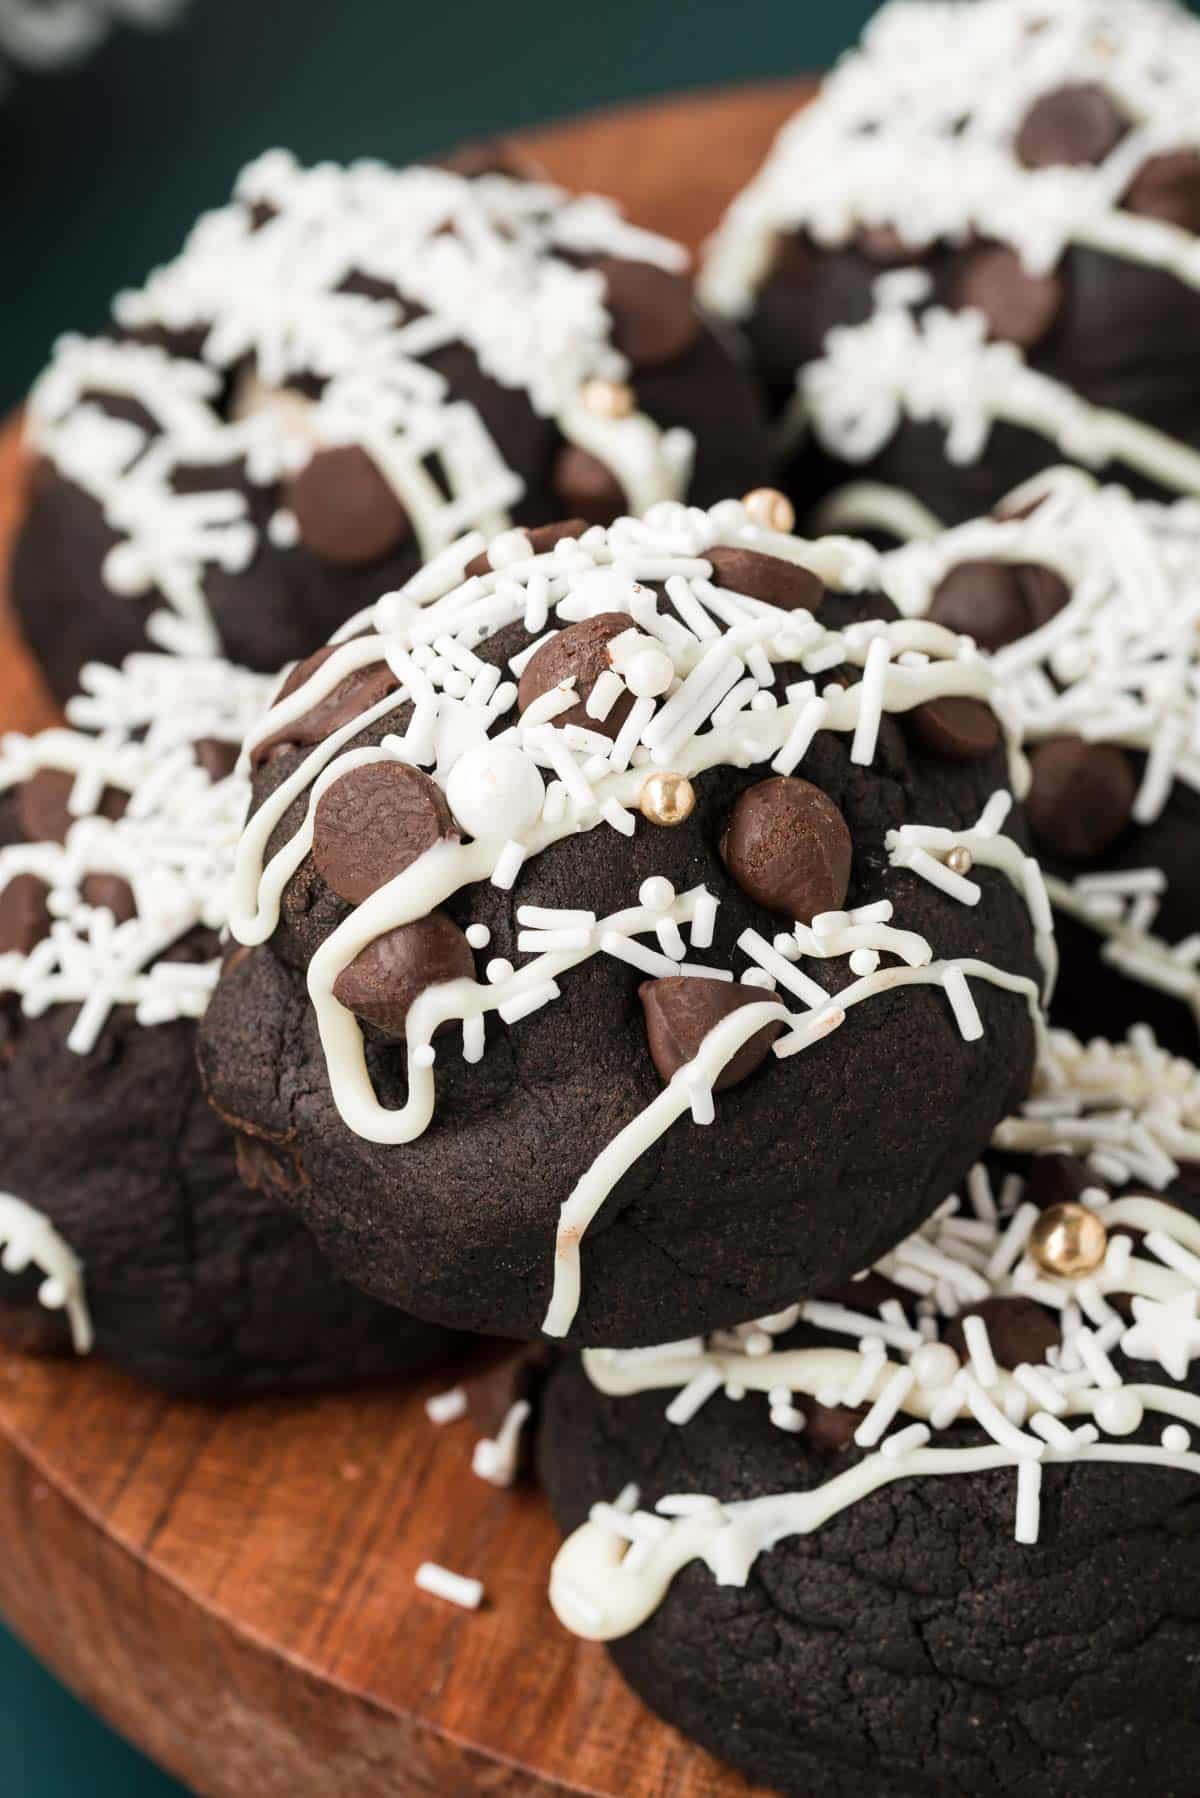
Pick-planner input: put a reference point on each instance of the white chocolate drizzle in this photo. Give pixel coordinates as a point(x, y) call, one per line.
point(722, 663)
point(612, 1574)
point(481, 261)
point(28, 1238)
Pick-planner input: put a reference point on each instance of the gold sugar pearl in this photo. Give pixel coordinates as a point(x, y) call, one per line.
point(667, 798)
point(1068, 1241)
point(607, 399)
point(770, 508)
point(959, 860)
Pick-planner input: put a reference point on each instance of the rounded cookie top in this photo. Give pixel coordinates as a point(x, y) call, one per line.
point(627, 818)
point(991, 1430)
point(950, 259)
point(343, 370)
point(1089, 599)
point(127, 1222)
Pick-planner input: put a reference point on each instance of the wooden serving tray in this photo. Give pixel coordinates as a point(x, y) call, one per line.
point(232, 1586)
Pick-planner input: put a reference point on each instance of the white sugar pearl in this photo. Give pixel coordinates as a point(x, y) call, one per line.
point(935, 1365)
point(649, 673)
point(1175, 1439)
point(495, 791)
point(656, 893)
point(1118, 1413)
point(499, 969)
point(478, 935)
point(424, 1055)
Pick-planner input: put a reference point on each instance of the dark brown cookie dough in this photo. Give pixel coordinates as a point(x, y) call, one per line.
point(272, 595)
point(910, 1645)
point(813, 1165)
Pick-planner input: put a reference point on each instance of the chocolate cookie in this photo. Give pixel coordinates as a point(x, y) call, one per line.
point(1086, 597)
point(957, 268)
point(925, 1544)
point(131, 1221)
point(343, 372)
point(598, 1027)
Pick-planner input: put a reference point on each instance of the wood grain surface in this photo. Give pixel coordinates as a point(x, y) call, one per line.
point(232, 1586)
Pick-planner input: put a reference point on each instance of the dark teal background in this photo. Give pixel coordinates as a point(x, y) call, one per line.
point(102, 170)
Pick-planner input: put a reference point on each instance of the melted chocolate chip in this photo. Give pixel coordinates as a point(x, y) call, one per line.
point(266, 1168)
point(349, 699)
point(347, 513)
point(1167, 188)
point(390, 974)
point(681, 1010)
point(788, 847)
point(587, 486)
point(42, 805)
point(1081, 797)
point(111, 893)
point(959, 728)
point(24, 916)
point(769, 578)
point(372, 823)
point(998, 602)
point(1020, 307)
point(580, 651)
point(653, 318)
point(541, 540)
point(1074, 126)
point(830, 1427)
point(217, 757)
point(1018, 1330)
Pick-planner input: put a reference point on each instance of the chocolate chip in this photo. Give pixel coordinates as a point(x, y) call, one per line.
point(769, 578)
point(349, 699)
point(110, 893)
point(373, 822)
point(492, 1393)
point(347, 513)
point(830, 1427)
point(961, 729)
point(586, 485)
point(1056, 1180)
point(653, 318)
point(1167, 187)
point(217, 757)
point(681, 1010)
point(24, 916)
point(1020, 307)
point(884, 244)
point(1074, 126)
point(1018, 1329)
point(788, 847)
point(541, 540)
point(579, 650)
point(42, 805)
point(1081, 797)
point(983, 600)
point(867, 1294)
point(392, 972)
